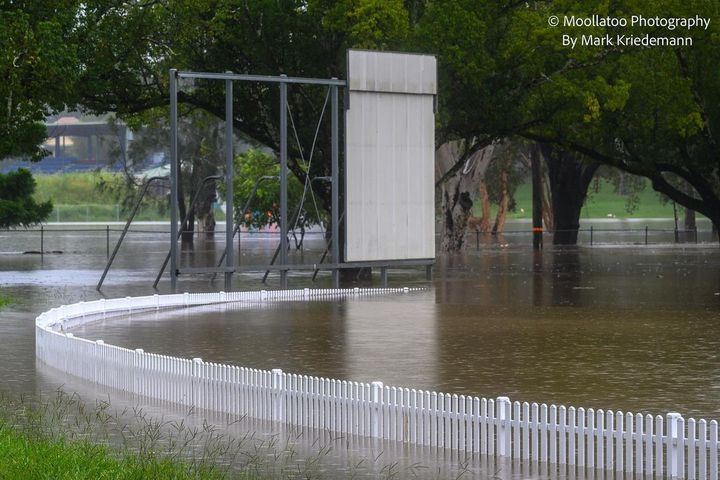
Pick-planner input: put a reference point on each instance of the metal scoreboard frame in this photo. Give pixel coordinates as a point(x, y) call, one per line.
point(395, 215)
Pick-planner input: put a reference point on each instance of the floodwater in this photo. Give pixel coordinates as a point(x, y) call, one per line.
point(632, 327)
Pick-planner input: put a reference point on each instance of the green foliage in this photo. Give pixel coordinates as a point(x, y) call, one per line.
point(264, 209)
point(649, 111)
point(371, 24)
point(38, 65)
point(503, 71)
point(130, 46)
point(17, 206)
point(5, 301)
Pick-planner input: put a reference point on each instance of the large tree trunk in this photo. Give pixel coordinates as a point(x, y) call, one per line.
point(569, 178)
point(457, 191)
point(547, 212)
point(482, 223)
point(501, 216)
point(203, 210)
point(186, 228)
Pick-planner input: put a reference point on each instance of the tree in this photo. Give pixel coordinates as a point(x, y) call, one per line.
point(651, 112)
point(570, 177)
point(491, 61)
point(457, 192)
point(17, 206)
point(132, 45)
point(38, 67)
point(263, 209)
point(200, 147)
point(648, 111)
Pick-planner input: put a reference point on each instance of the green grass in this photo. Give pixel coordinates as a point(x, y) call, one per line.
point(73, 188)
point(27, 457)
point(63, 437)
point(5, 300)
point(600, 204)
point(77, 198)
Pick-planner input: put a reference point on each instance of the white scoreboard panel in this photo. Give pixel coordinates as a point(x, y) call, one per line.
point(390, 152)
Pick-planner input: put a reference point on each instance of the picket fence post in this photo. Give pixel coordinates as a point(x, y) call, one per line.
point(375, 409)
point(278, 395)
point(97, 361)
point(502, 407)
point(673, 451)
point(137, 371)
point(196, 364)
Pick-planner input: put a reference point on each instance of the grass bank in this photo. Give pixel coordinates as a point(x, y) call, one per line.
point(27, 456)
point(78, 197)
point(75, 188)
point(602, 202)
point(63, 437)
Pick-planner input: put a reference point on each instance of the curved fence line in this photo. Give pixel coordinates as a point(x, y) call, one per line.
point(572, 439)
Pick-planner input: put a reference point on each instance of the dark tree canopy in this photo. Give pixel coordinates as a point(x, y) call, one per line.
point(38, 67)
point(503, 72)
point(17, 206)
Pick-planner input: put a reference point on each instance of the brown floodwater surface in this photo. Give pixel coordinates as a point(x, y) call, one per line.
point(632, 328)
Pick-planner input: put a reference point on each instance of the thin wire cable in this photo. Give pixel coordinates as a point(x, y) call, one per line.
point(308, 164)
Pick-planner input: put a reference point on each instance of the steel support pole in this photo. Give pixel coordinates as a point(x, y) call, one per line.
point(229, 218)
point(173, 178)
point(110, 261)
point(335, 202)
point(537, 226)
point(283, 184)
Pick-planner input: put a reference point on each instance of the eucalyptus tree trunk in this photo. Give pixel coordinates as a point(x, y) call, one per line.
point(458, 190)
point(504, 204)
point(482, 223)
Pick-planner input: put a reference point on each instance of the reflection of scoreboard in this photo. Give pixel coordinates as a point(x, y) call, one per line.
point(390, 145)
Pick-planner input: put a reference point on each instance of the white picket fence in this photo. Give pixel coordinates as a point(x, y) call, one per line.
point(572, 438)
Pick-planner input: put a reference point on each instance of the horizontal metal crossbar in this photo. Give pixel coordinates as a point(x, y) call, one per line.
point(318, 266)
point(221, 269)
point(262, 78)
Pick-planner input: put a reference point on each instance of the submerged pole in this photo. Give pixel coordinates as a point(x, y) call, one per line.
point(283, 185)
point(537, 227)
point(335, 202)
point(229, 217)
point(173, 178)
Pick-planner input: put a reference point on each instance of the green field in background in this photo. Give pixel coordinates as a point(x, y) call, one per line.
point(604, 203)
point(77, 199)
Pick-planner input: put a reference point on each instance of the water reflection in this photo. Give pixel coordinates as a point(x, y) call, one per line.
point(538, 278)
point(566, 277)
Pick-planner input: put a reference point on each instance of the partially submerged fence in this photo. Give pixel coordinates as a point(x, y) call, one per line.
point(569, 438)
